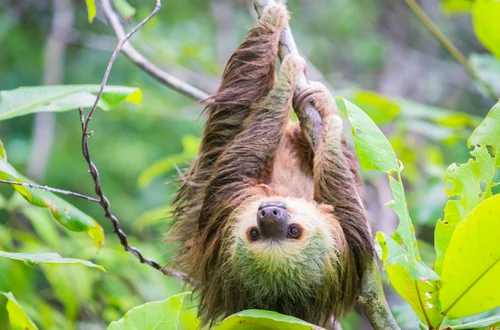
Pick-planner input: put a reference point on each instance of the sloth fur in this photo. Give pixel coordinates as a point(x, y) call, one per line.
point(253, 159)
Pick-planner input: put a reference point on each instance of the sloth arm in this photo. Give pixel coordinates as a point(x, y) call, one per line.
point(247, 160)
point(248, 77)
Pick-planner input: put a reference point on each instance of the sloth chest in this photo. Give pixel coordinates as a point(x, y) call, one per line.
point(288, 176)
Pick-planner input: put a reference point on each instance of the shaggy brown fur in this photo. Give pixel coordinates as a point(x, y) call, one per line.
point(251, 151)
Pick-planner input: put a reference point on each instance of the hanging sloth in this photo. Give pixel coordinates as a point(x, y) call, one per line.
point(263, 220)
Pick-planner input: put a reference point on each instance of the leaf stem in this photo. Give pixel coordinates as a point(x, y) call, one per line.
point(450, 47)
point(54, 190)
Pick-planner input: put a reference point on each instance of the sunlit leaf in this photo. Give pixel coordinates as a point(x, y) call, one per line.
point(265, 320)
point(91, 9)
point(372, 148)
point(486, 15)
point(18, 318)
point(471, 183)
point(65, 213)
point(471, 267)
point(46, 258)
point(167, 314)
point(26, 100)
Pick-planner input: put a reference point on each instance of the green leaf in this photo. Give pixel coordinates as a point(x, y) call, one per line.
point(405, 230)
point(469, 184)
point(372, 148)
point(265, 320)
point(65, 213)
point(18, 318)
point(26, 100)
point(479, 324)
point(91, 9)
point(486, 14)
point(417, 289)
point(471, 267)
point(124, 8)
point(167, 314)
point(32, 259)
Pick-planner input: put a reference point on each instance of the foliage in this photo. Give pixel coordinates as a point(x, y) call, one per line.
point(172, 313)
point(18, 318)
point(133, 147)
point(65, 213)
point(25, 100)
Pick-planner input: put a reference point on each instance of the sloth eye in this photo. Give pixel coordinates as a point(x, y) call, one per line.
point(294, 231)
point(254, 234)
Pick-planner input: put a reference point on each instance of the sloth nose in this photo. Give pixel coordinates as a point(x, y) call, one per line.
point(272, 219)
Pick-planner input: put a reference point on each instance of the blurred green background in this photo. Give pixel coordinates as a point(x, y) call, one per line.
point(375, 53)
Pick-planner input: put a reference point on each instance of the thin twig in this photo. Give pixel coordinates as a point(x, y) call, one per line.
point(54, 190)
point(450, 47)
point(103, 200)
point(135, 57)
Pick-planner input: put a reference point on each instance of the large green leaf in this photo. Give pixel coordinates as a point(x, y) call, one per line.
point(47, 258)
point(171, 313)
point(18, 318)
point(471, 183)
point(486, 15)
point(375, 153)
point(26, 100)
point(265, 320)
point(65, 213)
point(471, 267)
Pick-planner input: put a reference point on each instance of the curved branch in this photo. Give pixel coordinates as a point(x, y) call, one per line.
point(94, 172)
point(135, 57)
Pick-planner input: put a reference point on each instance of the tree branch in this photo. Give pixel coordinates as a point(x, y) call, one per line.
point(54, 190)
point(135, 57)
point(103, 200)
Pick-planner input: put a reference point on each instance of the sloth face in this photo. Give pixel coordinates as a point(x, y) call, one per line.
point(284, 252)
point(284, 226)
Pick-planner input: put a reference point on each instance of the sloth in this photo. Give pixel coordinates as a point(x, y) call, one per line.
point(263, 221)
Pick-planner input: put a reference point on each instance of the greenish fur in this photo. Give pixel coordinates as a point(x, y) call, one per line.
point(285, 280)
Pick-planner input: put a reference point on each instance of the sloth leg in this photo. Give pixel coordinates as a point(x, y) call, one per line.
point(335, 170)
point(251, 153)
